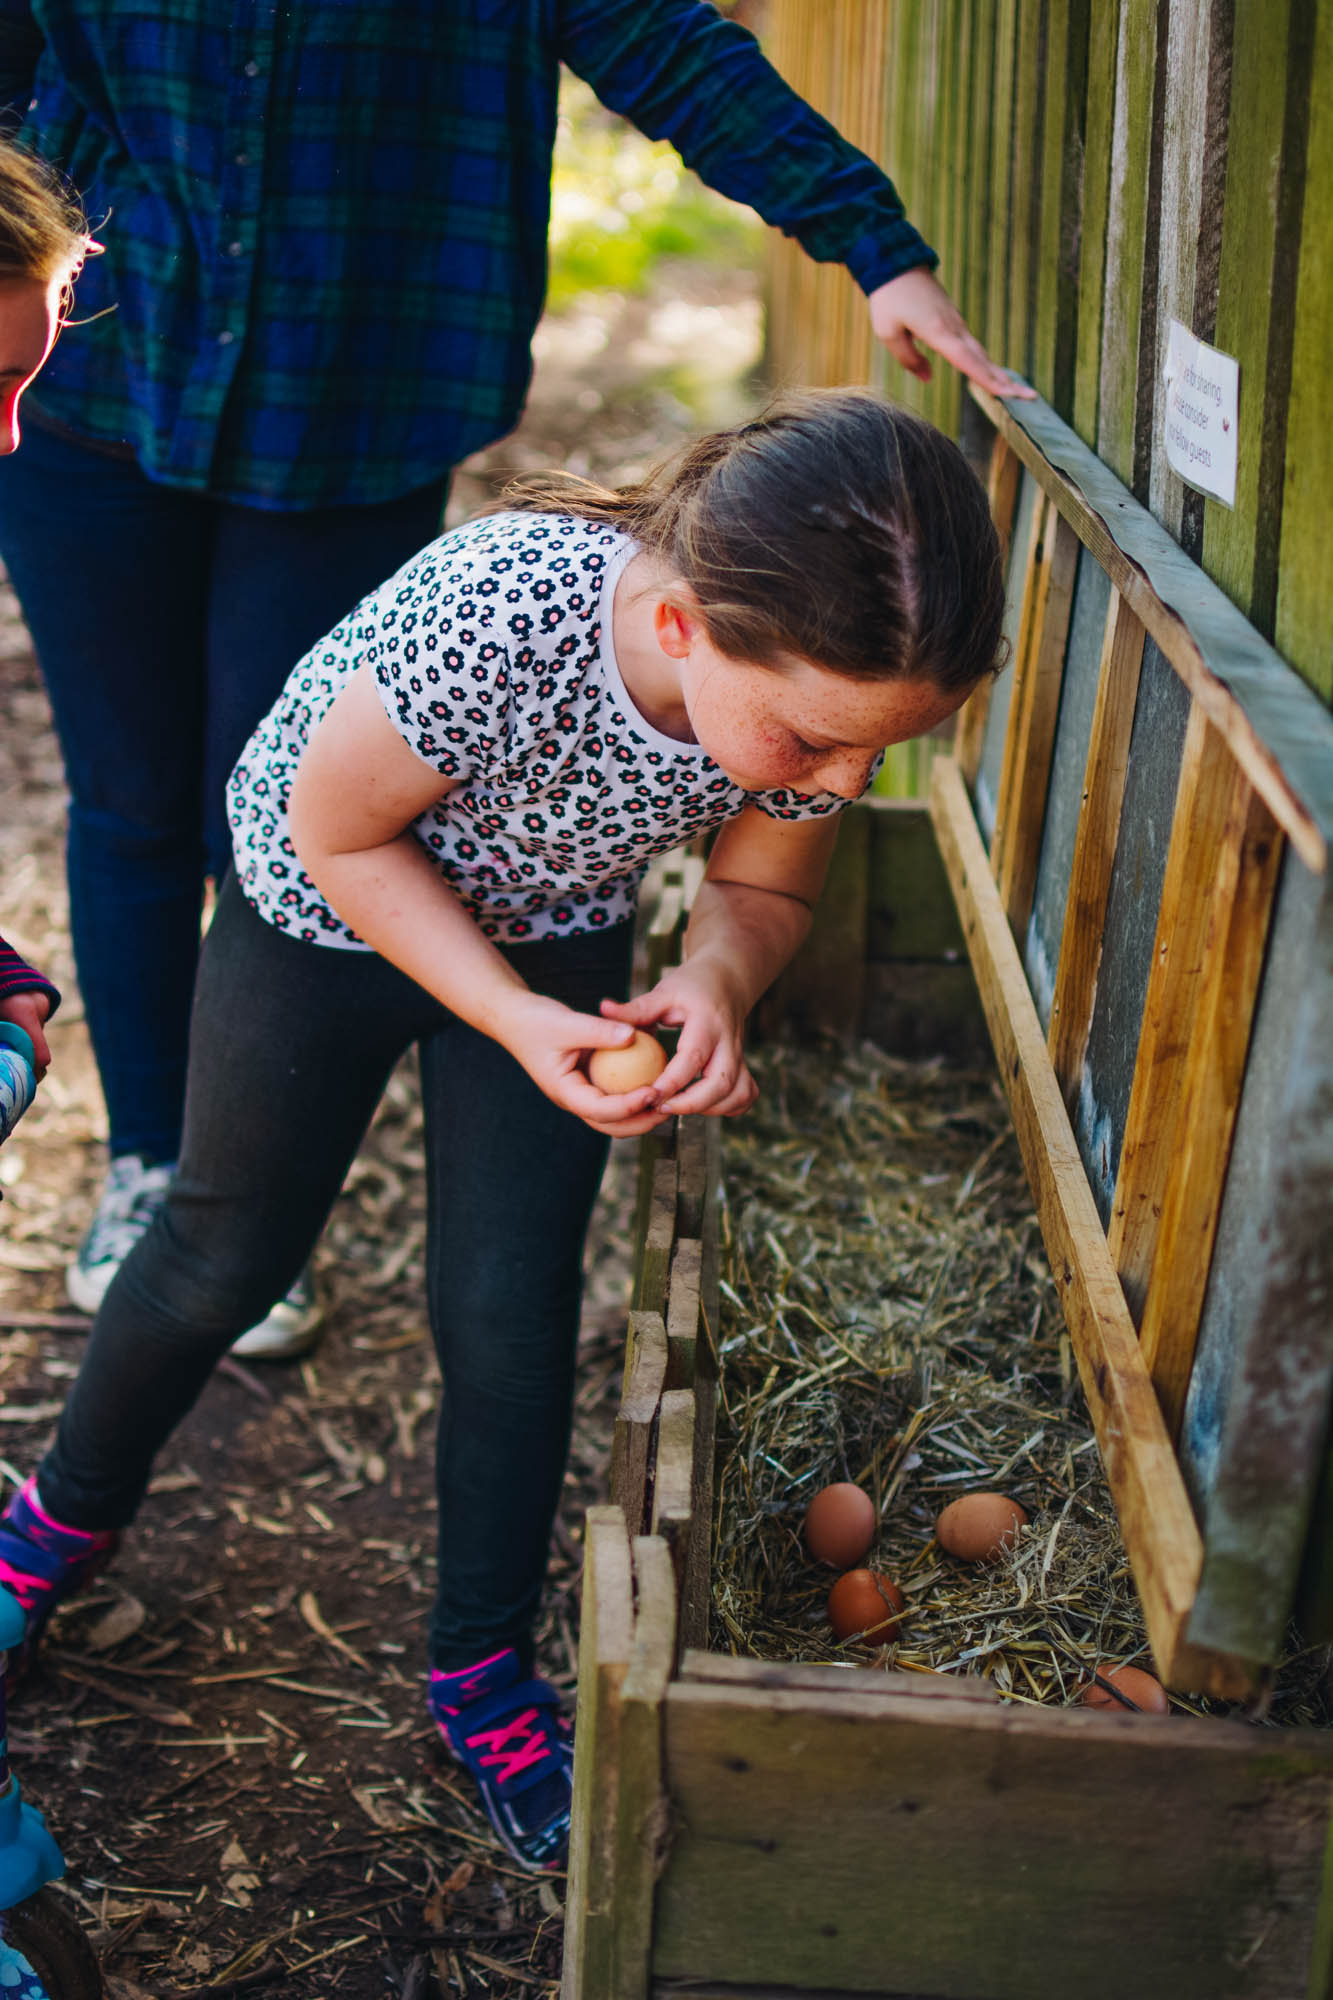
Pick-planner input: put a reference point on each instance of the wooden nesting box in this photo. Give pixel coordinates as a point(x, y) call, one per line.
point(1135, 835)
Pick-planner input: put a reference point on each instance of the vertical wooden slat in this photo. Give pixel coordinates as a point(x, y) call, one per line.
point(1247, 867)
point(1028, 155)
point(1198, 87)
point(1094, 844)
point(1152, 1122)
point(1305, 586)
point(1127, 341)
point(1060, 229)
point(976, 288)
point(606, 1639)
point(1103, 37)
point(1256, 308)
point(631, 1436)
point(962, 20)
point(1035, 704)
point(1001, 174)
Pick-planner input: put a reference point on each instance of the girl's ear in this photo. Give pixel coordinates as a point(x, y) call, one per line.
point(675, 629)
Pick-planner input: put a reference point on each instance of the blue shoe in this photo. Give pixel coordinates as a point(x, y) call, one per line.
point(519, 1748)
point(43, 1562)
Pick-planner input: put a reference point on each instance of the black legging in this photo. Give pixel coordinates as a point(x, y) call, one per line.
point(291, 1047)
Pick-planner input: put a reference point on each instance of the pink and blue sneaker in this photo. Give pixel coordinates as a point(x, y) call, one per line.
point(42, 1562)
point(512, 1737)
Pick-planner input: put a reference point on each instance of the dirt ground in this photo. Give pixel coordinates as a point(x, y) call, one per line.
point(228, 1732)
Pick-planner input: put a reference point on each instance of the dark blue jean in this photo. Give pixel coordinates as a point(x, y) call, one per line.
point(292, 1045)
point(165, 623)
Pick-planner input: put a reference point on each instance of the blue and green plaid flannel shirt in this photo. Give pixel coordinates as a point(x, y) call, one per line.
point(326, 219)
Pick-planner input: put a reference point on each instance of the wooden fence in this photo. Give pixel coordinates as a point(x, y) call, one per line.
point(1089, 170)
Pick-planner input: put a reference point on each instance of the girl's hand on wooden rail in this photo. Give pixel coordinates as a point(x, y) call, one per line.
point(915, 308)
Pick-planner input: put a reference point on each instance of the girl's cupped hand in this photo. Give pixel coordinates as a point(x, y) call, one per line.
point(707, 1073)
point(552, 1042)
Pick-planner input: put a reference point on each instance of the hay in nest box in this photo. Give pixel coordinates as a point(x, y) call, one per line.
point(888, 1318)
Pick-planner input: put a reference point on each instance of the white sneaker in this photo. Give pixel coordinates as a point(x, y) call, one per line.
point(135, 1189)
point(291, 1328)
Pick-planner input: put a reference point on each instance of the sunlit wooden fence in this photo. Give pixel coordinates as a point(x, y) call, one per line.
point(1088, 170)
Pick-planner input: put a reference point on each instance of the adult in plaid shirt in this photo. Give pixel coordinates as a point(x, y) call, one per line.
point(325, 226)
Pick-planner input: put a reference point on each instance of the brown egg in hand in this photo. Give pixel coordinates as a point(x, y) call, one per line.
point(979, 1527)
point(1139, 1687)
point(840, 1525)
point(617, 1070)
point(865, 1602)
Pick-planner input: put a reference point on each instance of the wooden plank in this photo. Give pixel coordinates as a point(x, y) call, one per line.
point(1001, 176)
point(1005, 468)
point(1259, 1411)
point(1246, 877)
point(795, 1810)
point(632, 1436)
point(1016, 843)
point(1197, 35)
point(1129, 309)
point(692, 1188)
point(1256, 303)
point(1103, 34)
point(1094, 847)
point(790, 1677)
point(976, 290)
point(1278, 731)
point(696, 1596)
point(673, 1478)
point(655, 1257)
point(1027, 609)
point(1156, 1520)
point(1305, 585)
point(1060, 228)
point(606, 1637)
point(642, 1810)
point(1184, 923)
point(682, 1314)
point(1025, 204)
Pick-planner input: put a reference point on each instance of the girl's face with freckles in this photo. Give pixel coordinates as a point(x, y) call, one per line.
point(795, 726)
point(30, 319)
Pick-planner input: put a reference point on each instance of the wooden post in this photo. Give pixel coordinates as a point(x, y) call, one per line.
point(620, 1826)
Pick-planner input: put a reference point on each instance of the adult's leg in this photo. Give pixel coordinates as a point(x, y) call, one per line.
point(291, 1047)
point(111, 572)
point(279, 583)
point(511, 1184)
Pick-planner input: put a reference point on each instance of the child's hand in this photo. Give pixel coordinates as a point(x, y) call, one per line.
point(552, 1043)
point(28, 1011)
point(915, 307)
point(707, 1074)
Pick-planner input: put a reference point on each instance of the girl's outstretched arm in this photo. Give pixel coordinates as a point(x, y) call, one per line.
point(752, 911)
point(353, 801)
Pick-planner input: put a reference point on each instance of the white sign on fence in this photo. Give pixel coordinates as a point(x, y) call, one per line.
point(1202, 398)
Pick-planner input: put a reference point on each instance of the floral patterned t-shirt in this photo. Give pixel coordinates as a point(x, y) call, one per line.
point(495, 662)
